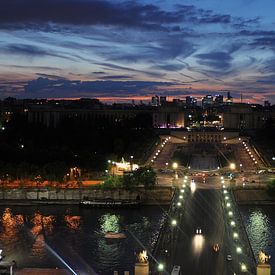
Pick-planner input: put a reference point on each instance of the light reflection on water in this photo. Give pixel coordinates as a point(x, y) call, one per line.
point(26, 233)
point(260, 226)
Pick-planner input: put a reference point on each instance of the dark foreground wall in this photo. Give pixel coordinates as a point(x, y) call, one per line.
point(159, 195)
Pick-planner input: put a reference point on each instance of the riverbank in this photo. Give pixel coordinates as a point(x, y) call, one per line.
point(255, 196)
point(50, 196)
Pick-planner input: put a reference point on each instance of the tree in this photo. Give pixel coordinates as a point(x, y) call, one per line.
point(270, 188)
point(146, 176)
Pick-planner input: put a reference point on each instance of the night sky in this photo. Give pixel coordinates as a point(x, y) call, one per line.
point(122, 50)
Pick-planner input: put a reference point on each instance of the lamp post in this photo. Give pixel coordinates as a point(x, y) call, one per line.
point(175, 167)
point(131, 163)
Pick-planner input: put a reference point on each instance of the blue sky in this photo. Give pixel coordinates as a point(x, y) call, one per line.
point(119, 50)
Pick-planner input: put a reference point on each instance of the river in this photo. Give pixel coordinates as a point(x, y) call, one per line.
point(60, 236)
point(260, 226)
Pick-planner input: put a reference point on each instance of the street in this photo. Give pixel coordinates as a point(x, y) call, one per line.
point(194, 253)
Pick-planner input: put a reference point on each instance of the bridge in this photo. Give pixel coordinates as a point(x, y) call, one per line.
point(204, 205)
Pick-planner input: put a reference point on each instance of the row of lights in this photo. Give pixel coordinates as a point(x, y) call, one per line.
point(249, 152)
point(158, 151)
point(232, 222)
point(174, 222)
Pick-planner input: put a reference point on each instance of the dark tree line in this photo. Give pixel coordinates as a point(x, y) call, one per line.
point(27, 150)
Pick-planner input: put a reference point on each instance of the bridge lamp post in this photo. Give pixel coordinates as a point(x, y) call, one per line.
point(174, 223)
point(243, 267)
point(160, 267)
point(235, 235)
point(238, 250)
point(175, 167)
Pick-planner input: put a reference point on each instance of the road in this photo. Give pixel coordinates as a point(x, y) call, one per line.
point(194, 253)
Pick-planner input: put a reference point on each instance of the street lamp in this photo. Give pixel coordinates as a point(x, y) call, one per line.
point(175, 165)
point(160, 267)
point(174, 222)
point(243, 267)
point(232, 166)
point(238, 250)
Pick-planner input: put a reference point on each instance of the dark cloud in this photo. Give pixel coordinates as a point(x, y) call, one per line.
point(31, 51)
point(116, 77)
point(268, 41)
point(112, 66)
point(215, 60)
point(45, 87)
point(33, 14)
point(256, 33)
point(169, 67)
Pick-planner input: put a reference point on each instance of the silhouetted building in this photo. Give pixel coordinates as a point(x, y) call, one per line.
point(229, 99)
point(219, 99)
point(207, 101)
point(191, 101)
point(155, 101)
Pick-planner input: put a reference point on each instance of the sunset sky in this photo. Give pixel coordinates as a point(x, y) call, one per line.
point(134, 49)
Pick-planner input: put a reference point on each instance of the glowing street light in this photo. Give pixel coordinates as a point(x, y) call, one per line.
point(228, 205)
point(243, 267)
point(238, 250)
point(174, 222)
point(179, 204)
point(180, 197)
point(160, 267)
point(175, 165)
point(235, 235)
point(232, 223)
point(230, 213)
point(232, 166)
point(181, 190)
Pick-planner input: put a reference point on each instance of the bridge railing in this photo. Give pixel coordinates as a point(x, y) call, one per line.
point(163, 251)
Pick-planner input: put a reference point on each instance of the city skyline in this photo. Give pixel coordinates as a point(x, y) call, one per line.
point(118, 50)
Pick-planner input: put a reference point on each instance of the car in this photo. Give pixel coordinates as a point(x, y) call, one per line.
point(198, 231)
point(229, 257)
point(216, 247)
point(176, 270)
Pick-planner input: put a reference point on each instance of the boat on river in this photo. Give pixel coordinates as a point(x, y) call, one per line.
point(114, 235)
point(109, 203)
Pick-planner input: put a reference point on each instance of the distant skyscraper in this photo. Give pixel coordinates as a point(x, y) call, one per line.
point(162, 100)
point(219, 99)
point(207, 101)
point(229, 98)
point(267, 103)
point(191, 101)
point(155, 100)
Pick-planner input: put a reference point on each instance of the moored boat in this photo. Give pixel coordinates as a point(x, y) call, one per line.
point(109, 203)
point(114, 235)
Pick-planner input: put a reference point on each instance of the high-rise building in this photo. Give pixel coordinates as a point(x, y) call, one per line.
point(190, 101)
point(162, 100)
point(219, 99)
point(207, 101)
point(229, 99)
point(155, 100)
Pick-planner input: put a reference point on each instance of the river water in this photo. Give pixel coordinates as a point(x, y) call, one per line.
point(260, 226)
point(56, 236)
